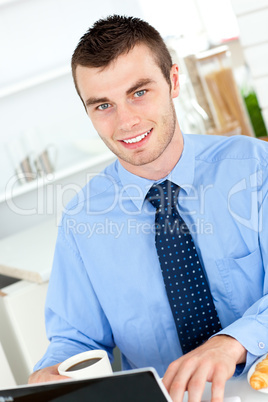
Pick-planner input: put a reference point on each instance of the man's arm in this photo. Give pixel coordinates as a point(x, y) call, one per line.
point(75, 320)
point(215, 361)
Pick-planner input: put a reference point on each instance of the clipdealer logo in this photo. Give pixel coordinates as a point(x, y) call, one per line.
point(254, 218)
point(130, 227)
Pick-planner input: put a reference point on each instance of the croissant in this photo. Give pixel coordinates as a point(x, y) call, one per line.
point(262, 366)
point(259, 378)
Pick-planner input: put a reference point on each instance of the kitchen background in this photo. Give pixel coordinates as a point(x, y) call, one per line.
point(43, 126)
point(48, 147)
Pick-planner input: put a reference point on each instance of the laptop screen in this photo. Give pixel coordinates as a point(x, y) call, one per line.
point(132, 386)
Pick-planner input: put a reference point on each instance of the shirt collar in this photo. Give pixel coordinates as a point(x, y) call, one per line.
point(182, 174)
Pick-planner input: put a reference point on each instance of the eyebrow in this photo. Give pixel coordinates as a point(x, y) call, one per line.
point(92, 101)
point(139, 84)
point(145, 81)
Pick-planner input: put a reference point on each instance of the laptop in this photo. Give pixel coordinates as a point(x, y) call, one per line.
point(141, 385)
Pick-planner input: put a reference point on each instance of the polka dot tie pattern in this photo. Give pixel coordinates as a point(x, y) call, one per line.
point(186, 285)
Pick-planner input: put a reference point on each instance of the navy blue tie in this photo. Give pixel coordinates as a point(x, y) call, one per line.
point(187, 289)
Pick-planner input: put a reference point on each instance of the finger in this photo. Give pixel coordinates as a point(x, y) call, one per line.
point(59, 378)
point(196, 385)
point(170, 374)
point(54, 369)
point(45, 378)
point(47, 374)
point(180, 381)
point(177, 389)
point(217, 388)
point(56, 373)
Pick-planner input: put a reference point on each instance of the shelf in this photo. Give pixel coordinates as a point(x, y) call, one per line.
point(34, 81)
point(56, 176)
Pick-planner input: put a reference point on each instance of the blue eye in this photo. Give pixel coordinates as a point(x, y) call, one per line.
point(104, 106)
point(140, 93)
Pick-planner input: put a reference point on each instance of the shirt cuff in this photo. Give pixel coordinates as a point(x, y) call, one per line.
point(252, 335)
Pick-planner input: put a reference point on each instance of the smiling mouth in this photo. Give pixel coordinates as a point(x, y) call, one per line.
point(138, 138)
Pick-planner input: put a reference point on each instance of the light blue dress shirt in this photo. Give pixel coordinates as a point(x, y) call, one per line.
point(106, 286)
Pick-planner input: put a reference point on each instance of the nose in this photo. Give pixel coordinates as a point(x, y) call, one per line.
point(127, 117)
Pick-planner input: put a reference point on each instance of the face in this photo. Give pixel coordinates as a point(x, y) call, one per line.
point(130, 105)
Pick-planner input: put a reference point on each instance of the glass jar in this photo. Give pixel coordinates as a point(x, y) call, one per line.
point(226, 103)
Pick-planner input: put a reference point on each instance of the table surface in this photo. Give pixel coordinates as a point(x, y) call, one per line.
point(237, 387)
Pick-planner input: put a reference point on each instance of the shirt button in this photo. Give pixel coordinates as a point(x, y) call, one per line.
point(261, 345)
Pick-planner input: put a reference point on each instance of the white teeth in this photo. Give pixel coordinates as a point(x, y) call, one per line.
point(137, 139)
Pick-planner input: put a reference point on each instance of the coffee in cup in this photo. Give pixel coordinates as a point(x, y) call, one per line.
point(84, 364)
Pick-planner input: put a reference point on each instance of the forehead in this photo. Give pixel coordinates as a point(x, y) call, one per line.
point(138, 63)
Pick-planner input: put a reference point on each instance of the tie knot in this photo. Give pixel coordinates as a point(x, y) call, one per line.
point(163, 195)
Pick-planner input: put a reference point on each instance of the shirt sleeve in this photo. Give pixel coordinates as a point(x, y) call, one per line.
point(75, 321)
point(251, 330)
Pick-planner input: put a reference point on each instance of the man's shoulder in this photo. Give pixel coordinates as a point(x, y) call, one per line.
point(214, 148)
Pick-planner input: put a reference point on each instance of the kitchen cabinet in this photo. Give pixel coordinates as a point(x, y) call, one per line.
point(6, 377)
point(22, 334)
point(25, 264)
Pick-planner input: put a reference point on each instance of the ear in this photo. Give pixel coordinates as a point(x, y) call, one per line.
point(174, 79)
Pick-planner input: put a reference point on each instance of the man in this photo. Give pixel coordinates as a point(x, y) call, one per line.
point(106, 286)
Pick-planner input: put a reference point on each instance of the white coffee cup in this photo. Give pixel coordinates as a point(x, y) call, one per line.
point(91, 364)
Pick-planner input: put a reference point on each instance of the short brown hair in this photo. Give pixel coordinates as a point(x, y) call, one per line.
point(116, 35)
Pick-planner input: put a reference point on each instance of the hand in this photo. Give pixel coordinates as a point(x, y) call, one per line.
point(214, 361)
point(47, 374)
